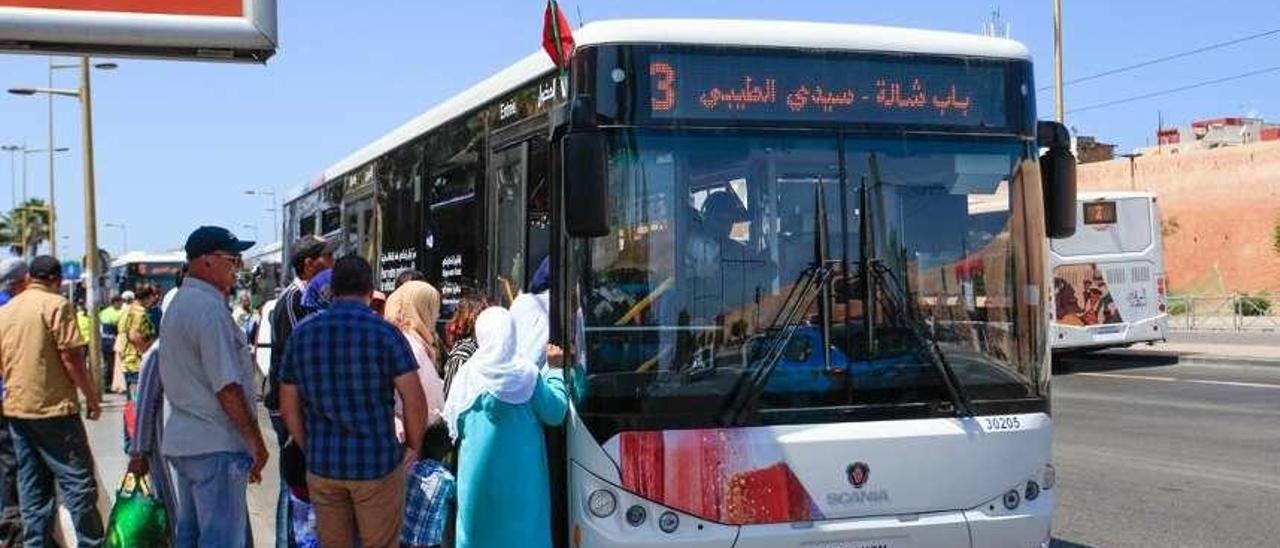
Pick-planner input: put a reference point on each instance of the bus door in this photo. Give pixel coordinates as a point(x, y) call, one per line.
point(520, 206)
point(521, 237)
point(507, 179)
point(358, 228)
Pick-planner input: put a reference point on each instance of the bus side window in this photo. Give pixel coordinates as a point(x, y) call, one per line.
point(507, 179)
point(538, 211)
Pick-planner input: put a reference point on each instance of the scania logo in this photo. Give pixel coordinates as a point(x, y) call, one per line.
point(857, 474)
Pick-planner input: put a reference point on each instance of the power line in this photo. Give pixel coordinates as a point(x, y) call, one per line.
point(1166, 58)
point(1175, 90)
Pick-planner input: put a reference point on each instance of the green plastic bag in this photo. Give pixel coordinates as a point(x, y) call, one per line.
point(138, 518)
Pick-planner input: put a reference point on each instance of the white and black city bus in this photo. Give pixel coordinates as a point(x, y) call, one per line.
point(1109, 282)
point(783, 322)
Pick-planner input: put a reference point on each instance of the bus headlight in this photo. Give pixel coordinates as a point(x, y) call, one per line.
point(1012, 499)
point(668, 522)
point(602, 503)
point(636, 515)
point(1050, 477)
point(1032, 492)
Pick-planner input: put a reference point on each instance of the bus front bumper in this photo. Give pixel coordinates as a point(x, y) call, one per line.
point(990, 525)
point(1067, 337)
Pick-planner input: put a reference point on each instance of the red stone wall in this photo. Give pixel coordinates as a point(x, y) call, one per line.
point(1220, 210)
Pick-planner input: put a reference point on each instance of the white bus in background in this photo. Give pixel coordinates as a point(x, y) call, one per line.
point(1108, 279)
point(160, 268)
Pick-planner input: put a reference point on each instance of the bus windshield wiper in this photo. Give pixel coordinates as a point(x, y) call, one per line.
point(930, 350)
point(876, 273)
point(784, 326)
point(811, 283)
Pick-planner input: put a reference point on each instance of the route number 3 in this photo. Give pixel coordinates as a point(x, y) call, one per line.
point(995, 424)
point(664, 83)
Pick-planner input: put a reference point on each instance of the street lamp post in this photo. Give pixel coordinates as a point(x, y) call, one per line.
point(253, 227)
point(275, 209)
point(1059, 102)
point(53, 207)
point(91, 267)
point(29, 151)
point(124, 233)
point(19, 204)
point(1133, 169)
point(13, 171)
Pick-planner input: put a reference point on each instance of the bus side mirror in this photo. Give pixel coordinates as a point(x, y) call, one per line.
point(586, 197)
point(1058, 177)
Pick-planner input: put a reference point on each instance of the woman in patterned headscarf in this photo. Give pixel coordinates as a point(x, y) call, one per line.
point(414, 309)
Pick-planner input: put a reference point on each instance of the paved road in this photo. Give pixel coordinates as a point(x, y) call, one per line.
point(1148, 454)
point(105, 439)
point(1153, 454)
point(1247, 338)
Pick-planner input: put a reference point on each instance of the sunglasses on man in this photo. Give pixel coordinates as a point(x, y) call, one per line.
point(235, 259)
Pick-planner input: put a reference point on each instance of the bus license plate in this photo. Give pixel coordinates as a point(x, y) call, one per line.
point(873, 543)
point(1109, 330)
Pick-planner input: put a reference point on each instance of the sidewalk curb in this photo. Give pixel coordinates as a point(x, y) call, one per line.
point(1209, 359)
point(1195, 358)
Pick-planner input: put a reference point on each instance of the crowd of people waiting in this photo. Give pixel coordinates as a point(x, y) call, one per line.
point(390, 432)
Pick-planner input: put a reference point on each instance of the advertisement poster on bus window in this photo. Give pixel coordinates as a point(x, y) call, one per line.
point(1082, 296)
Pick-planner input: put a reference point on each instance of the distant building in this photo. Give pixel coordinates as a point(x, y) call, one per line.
point(1214, 133)
point(1090, 149)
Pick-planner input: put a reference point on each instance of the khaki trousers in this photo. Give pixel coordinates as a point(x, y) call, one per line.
point(372, 509)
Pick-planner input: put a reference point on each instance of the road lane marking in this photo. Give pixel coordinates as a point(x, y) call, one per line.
point(1173, 379)
point(1236, 383)
point(1134, 377)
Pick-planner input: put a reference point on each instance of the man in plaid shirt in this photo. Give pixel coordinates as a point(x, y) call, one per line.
point(338, 378)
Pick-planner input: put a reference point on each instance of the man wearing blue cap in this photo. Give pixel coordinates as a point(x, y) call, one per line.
point(212, 438)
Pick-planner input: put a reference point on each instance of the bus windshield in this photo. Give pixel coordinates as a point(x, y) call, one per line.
point(164, 275)
point(838, 272)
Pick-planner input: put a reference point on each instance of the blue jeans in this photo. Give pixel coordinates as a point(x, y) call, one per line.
point(49, 451)
point(108, 361)
point(10, 515)
point(211, 499)
point(131, 392)
point(131, 385)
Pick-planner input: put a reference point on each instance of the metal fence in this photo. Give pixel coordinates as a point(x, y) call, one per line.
point(1238, 312)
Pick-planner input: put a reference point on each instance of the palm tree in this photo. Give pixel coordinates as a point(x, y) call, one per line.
point(25, 227)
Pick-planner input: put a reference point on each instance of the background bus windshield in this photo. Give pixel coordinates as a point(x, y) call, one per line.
point(163, 274)
point(736, 253)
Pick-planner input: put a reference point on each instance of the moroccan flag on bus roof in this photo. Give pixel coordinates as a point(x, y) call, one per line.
point(556, 37)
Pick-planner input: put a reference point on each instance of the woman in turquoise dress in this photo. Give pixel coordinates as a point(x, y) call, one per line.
point(496, 411)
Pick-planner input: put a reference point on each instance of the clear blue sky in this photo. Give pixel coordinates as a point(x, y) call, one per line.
point(178, 142)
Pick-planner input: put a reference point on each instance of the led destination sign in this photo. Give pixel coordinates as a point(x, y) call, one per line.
point(838, 90)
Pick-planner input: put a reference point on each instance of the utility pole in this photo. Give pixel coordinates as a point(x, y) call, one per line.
point(13, 171)
point(91, 266)
point(53, 220)
point(1058, 109)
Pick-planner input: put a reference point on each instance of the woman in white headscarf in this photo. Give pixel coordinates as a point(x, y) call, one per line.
point(496, 410)
point(532, 313)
